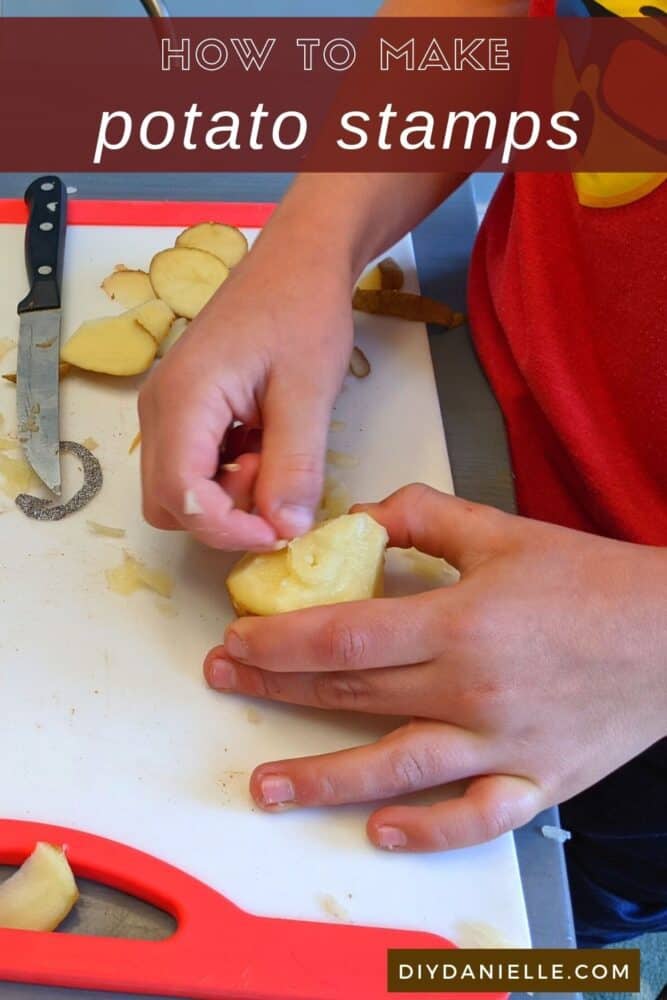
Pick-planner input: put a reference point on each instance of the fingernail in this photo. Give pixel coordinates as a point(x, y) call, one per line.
point(222, 675)
point(295, 519)
point(235, 645)
point(277, 790)
point(390, 837)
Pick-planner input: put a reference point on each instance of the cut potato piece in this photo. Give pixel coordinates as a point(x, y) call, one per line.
point(116, 345)
point(341, 560)
point(371, 280)
point(186, 278)
point(227, 243)
point(155, 317)
point(128, 288)
point(41, 893)
point(176, 331)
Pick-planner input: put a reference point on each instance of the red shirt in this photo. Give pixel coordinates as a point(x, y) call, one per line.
point(568, 307)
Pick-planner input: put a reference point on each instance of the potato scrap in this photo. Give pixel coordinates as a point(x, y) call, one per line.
point(63, 369)
point(128, 288)
point(405, 305)
point(227, 243)
point(360, 366)
point(335, 500)
point(337, 425)
point(6, 345)
point(90, 443)
point(186, 278)
point(133, 575)
point(176, 331)
point(104, 529)
point(134, 444)
point(17, 474)
point(116, 345)
point(41, 893)
point(341, 459)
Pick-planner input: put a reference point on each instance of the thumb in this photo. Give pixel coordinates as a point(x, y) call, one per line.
point(295, 416)
point(459, 531)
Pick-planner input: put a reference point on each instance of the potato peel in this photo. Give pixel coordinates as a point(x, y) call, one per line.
point(405, 305)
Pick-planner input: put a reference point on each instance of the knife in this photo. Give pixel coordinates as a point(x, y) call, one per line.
point(37, 372)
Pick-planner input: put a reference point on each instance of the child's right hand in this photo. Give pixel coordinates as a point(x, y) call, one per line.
point(270, 350)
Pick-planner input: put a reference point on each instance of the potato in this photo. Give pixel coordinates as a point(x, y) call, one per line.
point(176, 331)
point(225, 242)
point(116, 345)
point(186, 278)
point(128, 288)
point(41, 893)
point(155, 317)
point(341, 560)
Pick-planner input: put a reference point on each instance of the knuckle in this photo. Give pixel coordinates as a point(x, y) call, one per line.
point(341, 690)
point(407, 769)
point(344, 645)
point(495, 820)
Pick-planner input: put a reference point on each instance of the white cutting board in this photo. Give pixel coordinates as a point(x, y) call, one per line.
point(108, 726)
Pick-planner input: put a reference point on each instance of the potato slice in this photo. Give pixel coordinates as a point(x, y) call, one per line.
point(176, 331)
point(186, 278)
point(341, 560)
point(115, 345)
point(128, 288)
point(155, 317)
point(225, 242)
point(41, 893)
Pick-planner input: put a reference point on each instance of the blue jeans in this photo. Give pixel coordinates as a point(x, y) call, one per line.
point(617, 857)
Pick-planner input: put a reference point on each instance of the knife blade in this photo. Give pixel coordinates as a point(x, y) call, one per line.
point(37, 372)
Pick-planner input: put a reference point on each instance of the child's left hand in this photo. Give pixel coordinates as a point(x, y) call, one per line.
point(536, 675)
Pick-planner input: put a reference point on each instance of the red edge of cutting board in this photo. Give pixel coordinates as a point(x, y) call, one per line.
point(218, 951)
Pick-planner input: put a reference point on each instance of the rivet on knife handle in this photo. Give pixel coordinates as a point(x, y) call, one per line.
point(46, 199)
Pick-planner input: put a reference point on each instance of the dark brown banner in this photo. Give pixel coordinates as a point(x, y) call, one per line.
point(322, 94)
point(538, 970)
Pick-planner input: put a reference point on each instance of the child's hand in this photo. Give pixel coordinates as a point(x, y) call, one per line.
point(260, 344)
point(537, 674)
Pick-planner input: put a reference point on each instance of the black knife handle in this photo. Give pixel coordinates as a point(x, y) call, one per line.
point(46, 199)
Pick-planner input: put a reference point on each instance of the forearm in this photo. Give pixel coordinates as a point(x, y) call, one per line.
point(350, 218)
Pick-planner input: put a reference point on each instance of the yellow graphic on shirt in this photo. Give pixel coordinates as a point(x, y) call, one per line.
point(608, 190)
